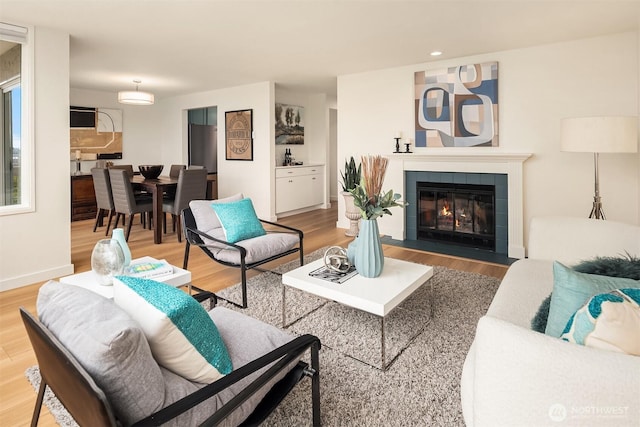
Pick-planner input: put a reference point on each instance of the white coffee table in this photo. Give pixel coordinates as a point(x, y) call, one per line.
point(88, 279)
point(378, 296)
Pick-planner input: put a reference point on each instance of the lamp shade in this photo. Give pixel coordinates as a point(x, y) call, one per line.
point(135, 97)
point(605, 134)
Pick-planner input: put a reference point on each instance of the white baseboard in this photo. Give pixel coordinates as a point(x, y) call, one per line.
point(40, 276)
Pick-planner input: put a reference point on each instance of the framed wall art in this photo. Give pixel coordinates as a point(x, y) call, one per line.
point(239, 134)
point(289, 124)
point(457, 106)
point(96, 132)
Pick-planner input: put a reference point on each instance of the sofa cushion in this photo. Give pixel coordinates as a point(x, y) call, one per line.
point(572, 289)
point(182, 336)
point(108, 344)
point(239, 220)
point(609, 321)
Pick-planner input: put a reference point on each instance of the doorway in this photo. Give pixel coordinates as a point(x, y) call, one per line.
point(203, 145)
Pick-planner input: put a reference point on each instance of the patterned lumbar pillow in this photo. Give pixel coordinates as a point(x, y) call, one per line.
point(239, 220)
point(608, 321)
point(182, 336)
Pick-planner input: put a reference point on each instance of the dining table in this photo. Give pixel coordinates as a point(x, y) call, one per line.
point(157, 187)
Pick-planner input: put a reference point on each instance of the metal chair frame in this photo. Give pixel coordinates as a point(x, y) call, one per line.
point(88, 404)
point(193, 236)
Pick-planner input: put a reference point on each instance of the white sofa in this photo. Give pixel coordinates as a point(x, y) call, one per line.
point(514, 376)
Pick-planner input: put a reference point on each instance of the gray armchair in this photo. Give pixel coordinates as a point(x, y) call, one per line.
point(202, 229)
point(96, 360)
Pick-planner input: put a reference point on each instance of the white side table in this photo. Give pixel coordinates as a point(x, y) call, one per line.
point(88, 279)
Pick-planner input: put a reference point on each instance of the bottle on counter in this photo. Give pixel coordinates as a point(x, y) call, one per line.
point(287, 157)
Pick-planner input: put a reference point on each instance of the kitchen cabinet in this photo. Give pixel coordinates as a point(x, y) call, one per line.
point(299, 187)
point(83, 198)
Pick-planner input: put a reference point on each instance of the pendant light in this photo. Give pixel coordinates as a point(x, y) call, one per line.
point(135, 97)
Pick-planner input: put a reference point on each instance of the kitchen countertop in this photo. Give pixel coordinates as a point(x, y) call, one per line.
point(300, 166)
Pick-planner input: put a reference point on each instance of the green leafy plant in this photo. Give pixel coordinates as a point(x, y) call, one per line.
point(368, 195)
point(351, 175)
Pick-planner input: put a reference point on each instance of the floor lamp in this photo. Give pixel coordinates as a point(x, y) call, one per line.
point(599, 135)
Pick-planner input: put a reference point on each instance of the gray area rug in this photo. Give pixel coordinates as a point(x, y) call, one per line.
point(421, 387)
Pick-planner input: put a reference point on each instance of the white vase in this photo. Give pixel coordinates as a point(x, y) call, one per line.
point(352, 213)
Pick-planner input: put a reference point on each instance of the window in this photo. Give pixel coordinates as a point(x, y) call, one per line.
point(16, 154)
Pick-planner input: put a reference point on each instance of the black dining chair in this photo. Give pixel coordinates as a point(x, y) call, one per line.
point(104, 196)
point(192, 185)
point(124, 200)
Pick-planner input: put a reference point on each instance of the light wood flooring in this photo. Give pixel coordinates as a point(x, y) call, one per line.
point(17, 397)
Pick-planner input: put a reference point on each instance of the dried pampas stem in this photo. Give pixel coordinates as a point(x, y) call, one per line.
point(373, 170)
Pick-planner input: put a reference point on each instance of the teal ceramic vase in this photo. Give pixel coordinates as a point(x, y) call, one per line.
point(369, 258)
point(118, 236)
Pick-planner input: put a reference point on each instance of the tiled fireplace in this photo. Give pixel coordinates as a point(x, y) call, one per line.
point(458, 208)
point(457, 169)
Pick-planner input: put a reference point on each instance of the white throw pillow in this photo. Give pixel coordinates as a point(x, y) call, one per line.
point(182, 336)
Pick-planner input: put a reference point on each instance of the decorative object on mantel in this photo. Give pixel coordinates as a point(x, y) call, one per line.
point(366, 250)
point(457, 106)
point(107, 260)
point(397, 138)
point(135, 97)
point(613, 134)
point(350, 180)
point(407, 145)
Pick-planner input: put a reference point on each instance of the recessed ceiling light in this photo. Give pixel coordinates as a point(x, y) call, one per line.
point(436, 53)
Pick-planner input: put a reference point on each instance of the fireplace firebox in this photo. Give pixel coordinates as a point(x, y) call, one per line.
point(462, 214)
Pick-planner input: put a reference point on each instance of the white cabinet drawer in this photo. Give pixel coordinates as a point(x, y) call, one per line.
point(298, 171)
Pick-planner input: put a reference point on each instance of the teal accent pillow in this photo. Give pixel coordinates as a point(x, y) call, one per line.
point(626, 266)
point(182, 336)
point(572, 289)
point(239, 220)
point(608, 321)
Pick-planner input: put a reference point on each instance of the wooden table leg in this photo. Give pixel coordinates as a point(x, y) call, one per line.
point(157, 214)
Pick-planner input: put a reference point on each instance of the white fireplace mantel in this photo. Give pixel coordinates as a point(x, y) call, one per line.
point(476, 160)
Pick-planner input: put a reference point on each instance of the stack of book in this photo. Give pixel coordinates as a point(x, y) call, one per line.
point(149, 269)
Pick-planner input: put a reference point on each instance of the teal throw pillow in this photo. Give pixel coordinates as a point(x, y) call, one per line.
point(608, 321)
point(239, 220)
point(624, 266)
point(182, 336)
point(572, 289)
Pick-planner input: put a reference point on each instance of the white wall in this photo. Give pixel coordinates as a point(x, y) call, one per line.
point(36, 246)
point(158, 134)
point(537, 88)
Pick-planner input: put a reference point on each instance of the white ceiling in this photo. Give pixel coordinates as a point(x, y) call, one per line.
point(185, 46)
